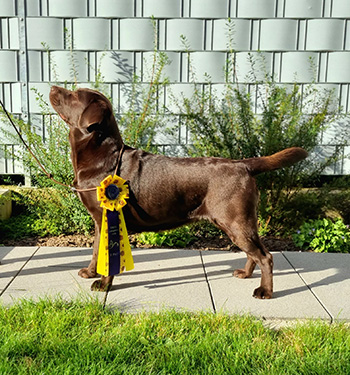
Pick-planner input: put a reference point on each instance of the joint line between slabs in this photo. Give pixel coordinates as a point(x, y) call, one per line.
point(312, 292)
point(208, 283)
point(19, 271)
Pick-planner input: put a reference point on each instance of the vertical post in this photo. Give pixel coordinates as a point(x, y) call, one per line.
point(23, 68)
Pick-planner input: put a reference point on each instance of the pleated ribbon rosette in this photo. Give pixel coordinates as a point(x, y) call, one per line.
point(114, 253)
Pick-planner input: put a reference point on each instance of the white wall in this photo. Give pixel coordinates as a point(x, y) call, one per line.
point(287, 31)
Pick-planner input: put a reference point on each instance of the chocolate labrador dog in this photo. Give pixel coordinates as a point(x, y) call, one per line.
point(166, 192)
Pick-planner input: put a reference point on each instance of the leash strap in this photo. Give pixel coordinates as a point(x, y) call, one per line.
point(49, 175)
point(25, 144)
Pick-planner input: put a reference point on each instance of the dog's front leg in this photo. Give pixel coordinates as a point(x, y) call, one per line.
point(90, 271)
point(105, 283)
point(102, 285)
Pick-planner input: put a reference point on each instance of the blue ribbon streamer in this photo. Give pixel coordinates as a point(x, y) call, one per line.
point(113, 242)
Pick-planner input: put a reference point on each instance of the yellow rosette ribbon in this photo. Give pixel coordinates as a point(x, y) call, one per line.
point(114, 253)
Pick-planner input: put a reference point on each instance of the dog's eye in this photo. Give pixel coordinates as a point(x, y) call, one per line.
point(93, 127)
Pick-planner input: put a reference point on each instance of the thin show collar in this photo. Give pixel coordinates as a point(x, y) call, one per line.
point(115, 172)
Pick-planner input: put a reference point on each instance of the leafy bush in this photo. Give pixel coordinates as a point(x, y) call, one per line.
point(292, 211)
point(234, 131)
point(17, 227)
point(205, 229)
point(323, 236)
point(187, 235)
point(46, 211)
point(336, 198)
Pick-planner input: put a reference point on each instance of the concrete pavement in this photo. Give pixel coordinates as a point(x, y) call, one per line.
point(306, 285)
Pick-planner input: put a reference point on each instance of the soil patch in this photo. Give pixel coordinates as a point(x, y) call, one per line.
point(214, 243)
point(224, 243)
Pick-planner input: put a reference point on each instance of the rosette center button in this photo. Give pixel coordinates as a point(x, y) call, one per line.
point(112, 192)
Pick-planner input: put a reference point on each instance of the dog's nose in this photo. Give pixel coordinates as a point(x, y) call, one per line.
point(54, 90)
point(54, 98)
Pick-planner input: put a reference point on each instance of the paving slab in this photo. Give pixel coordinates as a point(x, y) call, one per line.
point(306, 285)
point(12, 260)
point(162, 278)
point(291, 299)
point(51, 271)
point(328, 277)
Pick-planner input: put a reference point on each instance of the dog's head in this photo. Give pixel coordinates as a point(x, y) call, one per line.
point(83, 109)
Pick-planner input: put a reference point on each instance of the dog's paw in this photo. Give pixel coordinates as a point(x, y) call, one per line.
point(99, 286)
point(85, 273)
point(262, 293)
point(241, 274)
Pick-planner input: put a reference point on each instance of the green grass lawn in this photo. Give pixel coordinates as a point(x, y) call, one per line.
point(57, 337)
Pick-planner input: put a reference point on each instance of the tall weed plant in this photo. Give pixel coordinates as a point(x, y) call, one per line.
point(55, 209)
point(228, 125)
point(145, 116)
point(52, 208)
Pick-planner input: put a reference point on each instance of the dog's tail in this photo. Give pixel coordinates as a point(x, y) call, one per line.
point(284, 158)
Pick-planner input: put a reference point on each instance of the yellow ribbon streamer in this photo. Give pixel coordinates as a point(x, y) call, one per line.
point(106, 243)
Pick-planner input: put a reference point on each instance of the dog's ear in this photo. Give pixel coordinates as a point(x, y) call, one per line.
point(93, 115)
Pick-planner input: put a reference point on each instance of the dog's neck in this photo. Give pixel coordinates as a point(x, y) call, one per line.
point(114, 132)
point(93, 156)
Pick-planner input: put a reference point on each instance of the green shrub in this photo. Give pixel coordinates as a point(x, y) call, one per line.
point(305, 205)
point(229, 128)
point(188, 234)
point(58, 211)
point(292, 211)
point(323, 236)
point(227, 124)
point(179, 237)
point(337, 201)
point(205, 229)
point(17, 227)
point(46, 211)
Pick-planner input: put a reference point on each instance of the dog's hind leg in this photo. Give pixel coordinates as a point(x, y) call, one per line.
point(247, 271)
point(244, 234)
point(256, 254)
